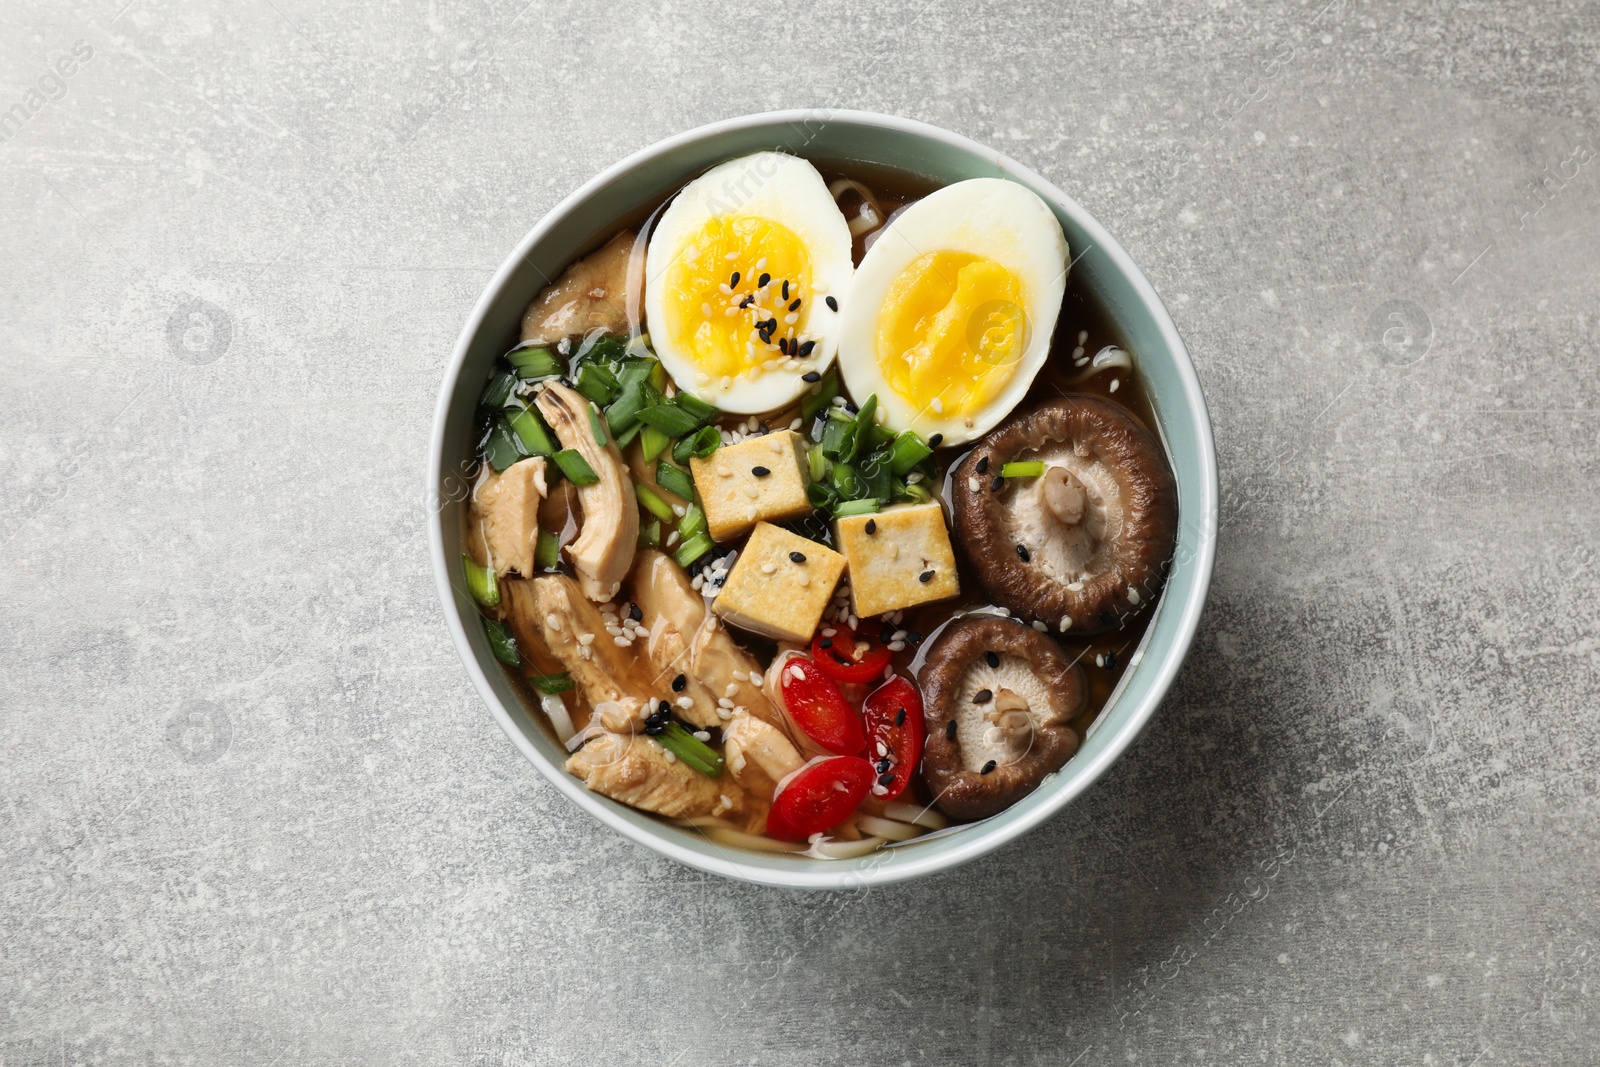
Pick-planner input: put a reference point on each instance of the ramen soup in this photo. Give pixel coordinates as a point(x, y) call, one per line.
point(816, 511)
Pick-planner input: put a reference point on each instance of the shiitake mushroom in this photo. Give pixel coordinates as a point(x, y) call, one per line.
point(997, 698)
point(1086, 543)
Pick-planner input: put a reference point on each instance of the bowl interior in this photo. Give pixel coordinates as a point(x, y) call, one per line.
point(1100, 267)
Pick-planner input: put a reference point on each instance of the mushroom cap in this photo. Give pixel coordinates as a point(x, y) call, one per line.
point(1084, 546)
point(959, 685)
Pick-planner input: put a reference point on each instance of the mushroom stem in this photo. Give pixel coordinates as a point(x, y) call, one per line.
point(1063, 495)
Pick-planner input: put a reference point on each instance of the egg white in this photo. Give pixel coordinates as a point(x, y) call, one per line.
point(784, 189)
point(988, 217)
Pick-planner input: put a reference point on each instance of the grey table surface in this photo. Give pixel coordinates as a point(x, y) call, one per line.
point(252, 812)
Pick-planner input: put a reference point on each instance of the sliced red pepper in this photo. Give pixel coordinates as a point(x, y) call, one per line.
point(837, 655)
point(893, 714)
point(816, 705)
point(818, 797)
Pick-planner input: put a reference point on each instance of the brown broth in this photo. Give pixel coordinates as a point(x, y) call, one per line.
point(1080, 314)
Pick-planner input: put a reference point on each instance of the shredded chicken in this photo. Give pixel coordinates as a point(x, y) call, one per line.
point(637, 771)
point(759, 755)
point(553, 611)
point(592, 294)
point(505, 516)
point(603, 551)
point(686, 639)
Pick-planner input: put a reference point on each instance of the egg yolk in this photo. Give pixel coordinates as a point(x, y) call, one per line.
point(951, 331)
point(737, 294)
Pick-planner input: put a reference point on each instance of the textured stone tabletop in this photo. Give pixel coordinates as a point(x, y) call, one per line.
point(252, 812)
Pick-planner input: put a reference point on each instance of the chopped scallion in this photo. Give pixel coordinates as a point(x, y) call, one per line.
point(1023, 469)
point(650, 534)
point(481, 583)
point(574, 466)
point(907, 451)
point(625, 438)
point(693, 405)
point(652, 442)
point(817, 464)
point(693, 522)
point(691, 750)
point(692, 549)
point(856, 507)
point(597, 424)
point(501, 643)
point(653, 503)
point(530, 431)
point(551, 684)
point(675, 480)
point(597, 383)
point(500, 447)
point(547, 551)
point(535, 362)
point(827, 389)
point(498, 390)
point(669, 418)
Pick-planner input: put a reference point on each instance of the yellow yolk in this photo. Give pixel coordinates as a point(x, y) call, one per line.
point(701, 288)
point(951, 331)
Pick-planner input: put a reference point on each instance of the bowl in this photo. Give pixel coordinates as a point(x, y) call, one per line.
point(1100, 266)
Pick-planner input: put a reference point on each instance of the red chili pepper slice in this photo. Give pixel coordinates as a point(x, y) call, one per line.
point(819, 796)
point(893, 713)
point(837, 655)
point(817, 706)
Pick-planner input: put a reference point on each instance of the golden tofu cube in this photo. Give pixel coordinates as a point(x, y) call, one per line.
point(898, 558)
point(736, 495)
point(780, 585)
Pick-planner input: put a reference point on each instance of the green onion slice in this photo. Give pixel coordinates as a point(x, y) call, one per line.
point(675, 480)
point(693, 522)
point(692, 549)
point(481, 582)
point(652, 442)
point(691, 750)
point(1023, 469)
point(534, 362)
point(547, 551)
point(551, 684)
point(501, 642)
point(856, 507)
point(574, 466)
point(653, 503)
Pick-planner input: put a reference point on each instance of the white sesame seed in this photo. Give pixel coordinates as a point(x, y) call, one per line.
point(795, 425)
point(586, 639)
point(1041, 627)
point(685, 703)
point(1114, 383)
point(769, 568)
point(937, 405)
point(724, 714)
point(730, 689)
point(1066, 623)
point(702, 735)
point(622, 642)
point(1133, 595)
point(796, 673)
point(553, 621)
point(670, 757)
point(897, 646)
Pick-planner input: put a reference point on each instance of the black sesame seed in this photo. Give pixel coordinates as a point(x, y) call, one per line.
point(950, 730)
point(925, 577)
point(761, 282)
point(886, 634)
point(733, 283)
point(900, 717)
point(915, 637)
point(794, 305)
point(991, 659)
point(1022, 553)
point(760, 472)
point(747, 301)
point(826, 642)
point(871, 526)
point(805, 349)
point(654, 731)
point(987, 767)
point(664, 708)
point(884, 765)
point(679, 682)
point(786, 288)
point(833, 305)
point(1111, 661)
point(783, 345)
point(810, 375)
point(886, 779)
point(983, 696)
point(983, 464)
point(635, 613)
point(936, 440)
point(797, 557)
point(998, 484)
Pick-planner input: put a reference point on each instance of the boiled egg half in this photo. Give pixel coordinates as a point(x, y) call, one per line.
point(738, 273)
point(951, 311)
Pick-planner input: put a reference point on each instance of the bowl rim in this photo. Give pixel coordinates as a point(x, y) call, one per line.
point(960, 848)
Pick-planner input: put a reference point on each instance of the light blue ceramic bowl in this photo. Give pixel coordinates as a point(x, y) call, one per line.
point(1101, 267)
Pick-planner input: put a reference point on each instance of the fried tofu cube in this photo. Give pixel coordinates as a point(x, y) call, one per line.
point(780, 585)
point(898, 558)
point(759, 479)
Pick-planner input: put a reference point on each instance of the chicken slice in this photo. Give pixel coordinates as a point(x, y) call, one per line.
point(758, 755)
point(505, 516)
point(592, 294)
point(603, 551)
point(554, 612)
point(686, 639)
point(636, 770)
